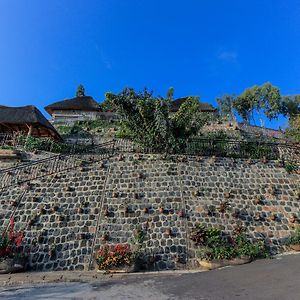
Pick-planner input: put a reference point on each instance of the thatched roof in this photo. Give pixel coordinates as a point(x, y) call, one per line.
point(26, 115)
point(203, 106)
point(83, 103)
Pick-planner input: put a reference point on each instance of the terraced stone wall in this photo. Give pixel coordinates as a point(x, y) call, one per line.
point(74, 213)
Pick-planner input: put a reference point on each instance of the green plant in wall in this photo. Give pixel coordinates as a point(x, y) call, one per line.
point(212, 244)
point(294, 240)
point(244, 247)
point(291, 167)
point(139, 236)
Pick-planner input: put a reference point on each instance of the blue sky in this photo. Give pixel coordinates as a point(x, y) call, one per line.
point(204, 48)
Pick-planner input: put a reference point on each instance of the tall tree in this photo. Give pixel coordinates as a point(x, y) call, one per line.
point(291, 105)
point(148, 121)
point(269, 101)
point(225, 104)
point(244, 104)
point(186, 121)
point(145, 117)
point(170, 93)
point(80, 92)
point(263, 100)
point(292, 111)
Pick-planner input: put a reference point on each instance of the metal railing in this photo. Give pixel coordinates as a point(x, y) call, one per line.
point(221, 148)
point(52, 165)
point(194, 147)
point(6, 139)
point(241, 149)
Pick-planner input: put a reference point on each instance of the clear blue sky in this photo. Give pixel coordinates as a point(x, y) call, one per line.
point(204, 48)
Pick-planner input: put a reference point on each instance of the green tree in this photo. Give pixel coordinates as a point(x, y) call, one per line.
point(106, 106)
point(147, 119)
point(245, 103)
point(291, 105)
point(143, 116)
point(225, 104)
point(80, 92)
point(269, 101)
point(293, 131)
point(170, 93)
point(186, 121)
point(263, 100)
point(292, 111)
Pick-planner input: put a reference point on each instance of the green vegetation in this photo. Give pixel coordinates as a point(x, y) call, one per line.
point(64, 129)
point(293, 130)
point(147, 119)
point(264, 99)
point(213, 244)
point(5, 147)
point(82, 128)
point(225, 104)
point(80, 91)
point(294, 239)
point(225, 147)
point(45, 144)
point(292, 110)
point(290, 167)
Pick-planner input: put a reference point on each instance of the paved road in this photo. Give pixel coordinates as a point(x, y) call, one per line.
point(276, 279)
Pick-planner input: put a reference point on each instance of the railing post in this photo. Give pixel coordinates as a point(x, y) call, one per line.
point(113, 146)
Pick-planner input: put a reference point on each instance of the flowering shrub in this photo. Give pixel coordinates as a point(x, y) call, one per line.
point(10, 242)
point(114, 256)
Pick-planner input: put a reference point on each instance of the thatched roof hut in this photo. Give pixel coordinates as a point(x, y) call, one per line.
point(81, 103)
point(26, 119)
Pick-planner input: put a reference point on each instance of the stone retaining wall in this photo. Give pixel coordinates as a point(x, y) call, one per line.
point(80, 210)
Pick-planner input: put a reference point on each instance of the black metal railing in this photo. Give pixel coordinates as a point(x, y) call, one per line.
point(240, 149)
point(230, 148)
point(194, 147)
point(51, 165)
point(6, 139)
point(221, 148)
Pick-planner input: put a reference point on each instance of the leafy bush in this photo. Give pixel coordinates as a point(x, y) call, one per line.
point(94, 124)
point(244, 247)
point(294, 239)
point(147, 120)
point(45, 144)
point(293, 130)
point(213, 244)
point(84, 127)
point(64, 129)
point(33, 143)
point(290, 167)
point(6, 147)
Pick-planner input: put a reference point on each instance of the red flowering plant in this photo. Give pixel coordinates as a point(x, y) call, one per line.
point(110, 256)
point(11, 242)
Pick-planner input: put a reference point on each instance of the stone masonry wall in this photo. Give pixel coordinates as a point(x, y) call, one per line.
point(76, 212)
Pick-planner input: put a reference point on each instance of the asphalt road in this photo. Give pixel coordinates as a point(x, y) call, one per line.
point(276, 279)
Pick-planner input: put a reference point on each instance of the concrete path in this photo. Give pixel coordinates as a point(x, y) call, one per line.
point(276, 279)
